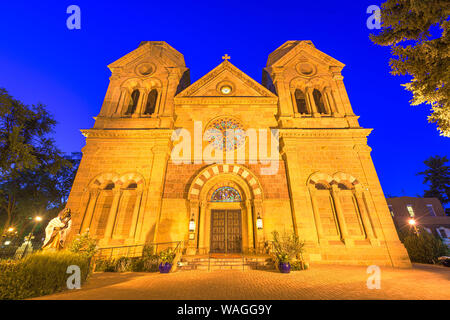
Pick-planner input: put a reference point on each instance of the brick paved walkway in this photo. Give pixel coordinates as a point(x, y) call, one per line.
point(320, 282)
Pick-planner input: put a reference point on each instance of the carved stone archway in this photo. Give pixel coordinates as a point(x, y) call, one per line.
point(201, 206)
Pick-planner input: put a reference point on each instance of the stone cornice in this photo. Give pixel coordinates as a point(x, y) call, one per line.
point(325, 133)
point(226, 100)
point(127, 133)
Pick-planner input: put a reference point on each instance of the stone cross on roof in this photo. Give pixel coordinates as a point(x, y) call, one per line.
point(226, 57)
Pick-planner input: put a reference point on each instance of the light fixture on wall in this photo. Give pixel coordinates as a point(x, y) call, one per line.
point(259, 222)
point(192, 224)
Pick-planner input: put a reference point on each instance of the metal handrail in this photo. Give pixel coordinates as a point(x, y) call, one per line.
point(128, 248)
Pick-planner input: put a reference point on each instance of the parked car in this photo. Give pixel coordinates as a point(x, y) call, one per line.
point(445, 261)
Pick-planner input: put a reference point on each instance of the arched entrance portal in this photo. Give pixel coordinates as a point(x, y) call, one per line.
point(225, 202)
point(226, 223)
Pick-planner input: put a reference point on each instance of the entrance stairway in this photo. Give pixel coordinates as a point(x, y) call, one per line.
point(224, 262)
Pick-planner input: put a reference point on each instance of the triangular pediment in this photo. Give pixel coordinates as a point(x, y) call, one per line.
point(294, 51)
point(158, 52)
point(226, 74)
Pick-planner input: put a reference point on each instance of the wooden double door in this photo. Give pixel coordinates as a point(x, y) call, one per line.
point(226, 231)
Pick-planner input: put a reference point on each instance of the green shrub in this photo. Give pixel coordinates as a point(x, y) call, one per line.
point(299, 266)
point(144, 265)
point(424, 247)
point(287, 247)
point(106, 265)
point(167, 256)
point(83, 244)
point(124, 264)
point(39, 274)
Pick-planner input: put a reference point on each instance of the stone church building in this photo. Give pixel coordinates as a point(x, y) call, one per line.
point(130, 189)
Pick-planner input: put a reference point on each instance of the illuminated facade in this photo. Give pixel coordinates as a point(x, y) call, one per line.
point(129, 190)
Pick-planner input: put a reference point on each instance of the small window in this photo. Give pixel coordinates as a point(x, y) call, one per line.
point(110, 186)
point(151, 102)
point(301, 102)
point(321, 186)
point(318, 99)
point(133, 102)
point(132, 185)
point(391, 209)
point(442, 233)
point(410, 210)
point(431, 210)
point(343, 186)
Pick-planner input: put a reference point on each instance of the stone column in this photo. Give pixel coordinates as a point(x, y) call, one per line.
point(172, 84)
point(134, 218)
point(153, 212)
point(340, 214)
point(158, 102)
point(331, 106)
point(87, 220)
point(122, 102)
point(311, 103)
point(112, 214)
point(319, 228)
point(250, 233)
point(143, 96)
point(294, 101)
point(279, 81)
point(365, 217)
point(201, 234)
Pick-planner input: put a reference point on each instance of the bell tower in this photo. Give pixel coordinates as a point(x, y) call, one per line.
point(310, 87)
point(142, 87)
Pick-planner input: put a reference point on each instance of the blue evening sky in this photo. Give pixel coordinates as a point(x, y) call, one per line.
point(42, 61)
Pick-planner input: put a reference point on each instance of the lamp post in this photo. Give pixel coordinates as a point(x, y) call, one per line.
point(37, 219)
point(413, 223)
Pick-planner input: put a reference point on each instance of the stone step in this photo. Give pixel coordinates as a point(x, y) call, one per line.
point(204, 263)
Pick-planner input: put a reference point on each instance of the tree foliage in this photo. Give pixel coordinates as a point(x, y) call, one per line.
point(35, 177)
point(418, 33)
point(438, 176)
point(423, 247)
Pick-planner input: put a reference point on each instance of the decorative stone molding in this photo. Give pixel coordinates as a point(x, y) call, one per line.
point(225, 100)
point(103, 179)
point(325, 133)
point(224, 66)
point(215, 170)
point(124, 133)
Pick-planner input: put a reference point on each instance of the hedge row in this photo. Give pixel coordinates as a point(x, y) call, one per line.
point(125, 264)
point(39, 274)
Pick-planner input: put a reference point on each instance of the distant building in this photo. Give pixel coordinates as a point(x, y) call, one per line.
point(428, 213)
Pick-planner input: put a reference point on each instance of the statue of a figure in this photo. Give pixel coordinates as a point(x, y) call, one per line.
point(57, 230)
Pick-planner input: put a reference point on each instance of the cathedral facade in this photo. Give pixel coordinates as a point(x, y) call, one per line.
point(223, 162)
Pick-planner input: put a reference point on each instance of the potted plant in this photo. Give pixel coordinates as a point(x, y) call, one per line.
point(166, 258)
point(285, 249)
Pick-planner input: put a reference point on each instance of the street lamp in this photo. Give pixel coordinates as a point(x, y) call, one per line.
point(413, 223)
point(11, 229)
point(37, 219)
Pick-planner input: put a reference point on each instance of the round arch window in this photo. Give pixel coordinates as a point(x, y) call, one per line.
point(225, 133)
point(226, 194)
